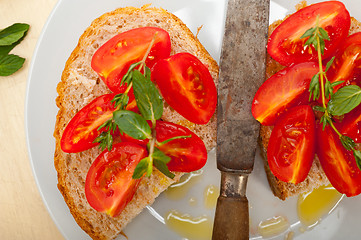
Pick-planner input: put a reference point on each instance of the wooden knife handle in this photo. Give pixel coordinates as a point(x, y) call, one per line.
point(231, 221)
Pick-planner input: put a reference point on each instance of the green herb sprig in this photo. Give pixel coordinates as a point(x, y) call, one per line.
point(150, 105)
point(120, 102)
point(9, 38)
point(343, 101)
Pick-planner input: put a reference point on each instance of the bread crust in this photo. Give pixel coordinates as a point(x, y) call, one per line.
point(80, 84)
point(316, 176)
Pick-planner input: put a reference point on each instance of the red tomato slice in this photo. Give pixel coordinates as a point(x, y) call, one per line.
point(82, 130)
point(109, 186)
point(351, 124)
point(338, 163)
point(285, 45)
point(187, 86)
point(113, 59)
point(347, 64)
point(287, 88)
point(291, 146)
point(187, 155)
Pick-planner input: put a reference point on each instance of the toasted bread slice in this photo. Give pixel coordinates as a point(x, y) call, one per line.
point(80, 84)
point(316, 176)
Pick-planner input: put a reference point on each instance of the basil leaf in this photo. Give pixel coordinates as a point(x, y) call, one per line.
point(160, 156)
point(329, 63)
point(336, 83)
point(160, 161)
point(315, 80)
point(10, 64)
point(322, 46)
point(325, 120)
point(344, 100)
point(314, 88)
point(141, 168)
point(127, 78)
point(147, 73)
point(328, 89)
point(323, 34)
point(162, 167)
point(4, 50)
point(357, 155)
point(347, 142)
point(121, 99)
point(146, 95)
point(318, 108)
point(13, 33)
point(315, 44)
point(311, 40)
point(132, 124)
point(308, 33)
point(105, 140)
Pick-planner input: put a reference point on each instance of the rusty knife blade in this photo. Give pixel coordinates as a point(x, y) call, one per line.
point(242, 71)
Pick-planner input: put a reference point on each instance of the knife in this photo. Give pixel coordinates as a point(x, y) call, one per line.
point(242, 71)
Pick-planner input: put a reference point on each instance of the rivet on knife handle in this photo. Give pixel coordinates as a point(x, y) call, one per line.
point(242, 71)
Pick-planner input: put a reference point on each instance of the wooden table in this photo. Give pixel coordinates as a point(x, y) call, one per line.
point(22, 212)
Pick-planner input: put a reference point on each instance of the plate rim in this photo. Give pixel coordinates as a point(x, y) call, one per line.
point(26, 114)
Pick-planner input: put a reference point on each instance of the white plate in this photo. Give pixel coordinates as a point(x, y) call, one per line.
point(60, 35)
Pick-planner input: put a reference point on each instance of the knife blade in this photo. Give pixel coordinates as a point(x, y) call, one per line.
point(242, 71)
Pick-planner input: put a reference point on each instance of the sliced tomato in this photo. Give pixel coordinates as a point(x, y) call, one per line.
point(291, 146)
point(82, 130)
point(338, 163)
point(187, 86)
point(109, 185)
point(351, 124)
point(285, 44)
point(285, 89)
point(113, 59)
point(347, 64)
point(187, 154)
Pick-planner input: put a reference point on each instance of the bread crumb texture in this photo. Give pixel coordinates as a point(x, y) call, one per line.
point(316, 176)
point(80, 84)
